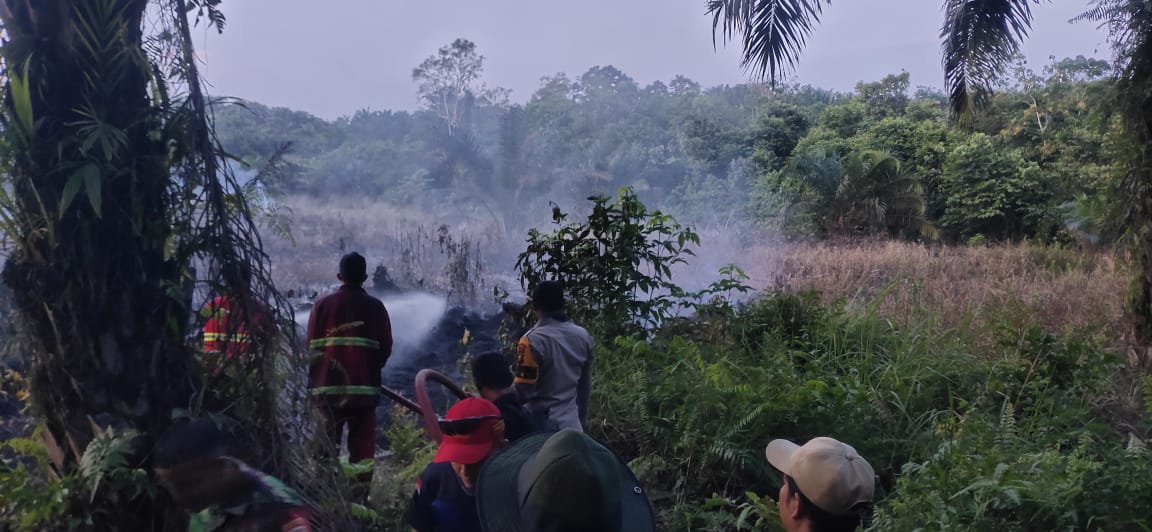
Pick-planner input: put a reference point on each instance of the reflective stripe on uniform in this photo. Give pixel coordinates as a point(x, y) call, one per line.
point(223, 337)
point(350, 341)
point(342, 390)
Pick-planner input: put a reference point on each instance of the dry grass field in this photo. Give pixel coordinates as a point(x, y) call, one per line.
point(1063, 290)
point(973, 287)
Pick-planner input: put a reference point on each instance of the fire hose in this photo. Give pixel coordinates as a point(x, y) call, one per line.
point(422, 406)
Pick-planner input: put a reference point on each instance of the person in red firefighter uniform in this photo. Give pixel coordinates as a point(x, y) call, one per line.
point(227, 329)
point(222, 335)
point(351, 335)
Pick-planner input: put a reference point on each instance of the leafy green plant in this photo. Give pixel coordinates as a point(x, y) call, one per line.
point(34, 497)
point(396, 478)
point(757, 513)
point(616, 266)
point(38, 498)
point(105, 465)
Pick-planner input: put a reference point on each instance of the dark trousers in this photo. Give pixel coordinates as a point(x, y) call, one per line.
point(361, 423)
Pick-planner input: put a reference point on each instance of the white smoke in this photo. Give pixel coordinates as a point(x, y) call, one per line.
point(414, 315)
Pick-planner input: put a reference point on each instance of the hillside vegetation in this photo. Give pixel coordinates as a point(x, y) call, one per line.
point(884, 159)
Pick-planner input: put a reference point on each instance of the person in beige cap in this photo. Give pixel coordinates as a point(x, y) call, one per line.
point(827, 486)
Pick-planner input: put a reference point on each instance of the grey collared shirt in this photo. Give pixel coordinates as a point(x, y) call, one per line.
point(554, 371)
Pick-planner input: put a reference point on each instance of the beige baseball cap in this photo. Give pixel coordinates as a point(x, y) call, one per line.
point(829, 472)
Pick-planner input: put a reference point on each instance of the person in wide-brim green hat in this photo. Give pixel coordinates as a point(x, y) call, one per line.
point(560, 482)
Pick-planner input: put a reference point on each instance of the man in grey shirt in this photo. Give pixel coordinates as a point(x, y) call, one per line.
point(554, 362)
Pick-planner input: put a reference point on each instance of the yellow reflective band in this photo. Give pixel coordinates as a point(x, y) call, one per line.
point(345, 390)
point(527, 367)
point(352, 341)
point(214, 337)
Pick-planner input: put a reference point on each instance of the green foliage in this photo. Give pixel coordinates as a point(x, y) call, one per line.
point(993, 192)
point(447, 81)
point(980, 42)
point(105, 464)
point(38, 498)
point(395, 480)
point(616, 267)
point(887, 97)
point(711, 200)
point(1045, 139)
point(958, 442)
point(865, 192)
point(34, 498)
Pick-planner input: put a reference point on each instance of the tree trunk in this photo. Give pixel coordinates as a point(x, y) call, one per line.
point(96, 298)
point(1135, 185)
point(1140, 223)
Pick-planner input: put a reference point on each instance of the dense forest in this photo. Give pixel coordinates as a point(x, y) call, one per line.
point(885, 158)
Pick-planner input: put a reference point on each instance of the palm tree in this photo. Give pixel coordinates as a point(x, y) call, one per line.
point(980, 37)
point(864, 192)
point(112, 189)
point(876, 194)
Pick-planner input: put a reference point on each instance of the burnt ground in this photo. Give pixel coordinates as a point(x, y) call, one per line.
point(443, 350)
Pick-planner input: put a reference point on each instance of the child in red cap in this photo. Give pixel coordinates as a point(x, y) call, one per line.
point(445, 499)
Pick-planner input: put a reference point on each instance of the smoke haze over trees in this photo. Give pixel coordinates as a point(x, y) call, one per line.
point(883, 159)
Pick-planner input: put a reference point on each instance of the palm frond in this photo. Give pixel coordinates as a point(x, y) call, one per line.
point(980, 38)
point(1105, 11)
point(820, 170)
point(773, 32)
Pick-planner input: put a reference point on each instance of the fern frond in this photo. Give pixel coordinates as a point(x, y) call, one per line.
point(108, 454)
point(1008, 433)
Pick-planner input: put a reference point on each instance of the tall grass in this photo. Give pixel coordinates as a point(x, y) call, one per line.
point(960, 440)
point(973, 288)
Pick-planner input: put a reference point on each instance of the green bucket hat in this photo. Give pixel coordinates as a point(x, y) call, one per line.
point(559, 482)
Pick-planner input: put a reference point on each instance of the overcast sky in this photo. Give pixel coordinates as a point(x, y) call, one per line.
point(334, 57)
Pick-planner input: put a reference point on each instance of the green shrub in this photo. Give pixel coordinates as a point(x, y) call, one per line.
point(35, 497)
point(395, 477)
point(615, 265)
point(958, 441)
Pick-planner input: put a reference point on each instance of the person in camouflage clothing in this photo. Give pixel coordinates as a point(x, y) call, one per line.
point(197, 464)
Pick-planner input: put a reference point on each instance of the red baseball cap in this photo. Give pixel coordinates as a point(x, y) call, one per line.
point(471, 429)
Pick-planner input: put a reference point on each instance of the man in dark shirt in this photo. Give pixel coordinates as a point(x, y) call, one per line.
point(493, 376)
point(445, 497)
